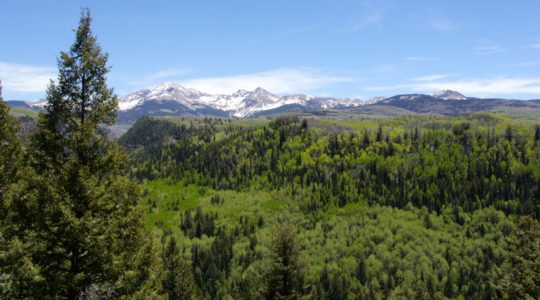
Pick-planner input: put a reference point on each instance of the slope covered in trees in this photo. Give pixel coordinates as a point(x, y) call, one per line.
point(397, 208)
point(472, 162)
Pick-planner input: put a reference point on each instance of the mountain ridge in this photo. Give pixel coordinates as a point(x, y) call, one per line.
point(242, 103)
point(173, 99)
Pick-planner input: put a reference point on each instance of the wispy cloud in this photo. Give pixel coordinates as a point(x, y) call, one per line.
point(431, 77)
point(364, 22)
point(288, 80)
point(25, 78)
point(536, 46)
point(524, 64)
point(443, 23)
point(471, 87)
point(154, 78)
point(420, 59)
point(372, 19)
point(489, 49)
point(278, 35)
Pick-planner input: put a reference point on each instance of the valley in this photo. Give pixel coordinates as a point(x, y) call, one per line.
point(326, 150)
point(381, 208)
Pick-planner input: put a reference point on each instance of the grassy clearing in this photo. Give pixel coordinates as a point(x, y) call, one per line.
point(166, 201)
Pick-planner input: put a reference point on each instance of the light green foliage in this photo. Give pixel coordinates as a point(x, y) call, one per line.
point(372, 251)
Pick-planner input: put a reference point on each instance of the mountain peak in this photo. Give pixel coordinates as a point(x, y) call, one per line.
point(449, 95)
point(260, 92)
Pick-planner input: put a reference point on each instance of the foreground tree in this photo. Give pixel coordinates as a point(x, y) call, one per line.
point(13, 265)
point(10, 150)
point(75, 213)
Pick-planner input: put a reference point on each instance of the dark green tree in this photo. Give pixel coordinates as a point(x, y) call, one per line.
point(522, 281)
point(75, 214)
point(14, 265)
point(10, 149)
point(285, 279)
point(536, 135)
point(178, 282)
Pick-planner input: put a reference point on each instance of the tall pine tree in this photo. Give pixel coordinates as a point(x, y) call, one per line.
point(522, 280)
point(178, 282)
point(10, 149)
point(76, 211)
point(14, 265)
point(285, 277)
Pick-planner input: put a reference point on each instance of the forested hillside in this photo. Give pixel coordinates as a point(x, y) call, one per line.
point(262, 208)
point(406, 208)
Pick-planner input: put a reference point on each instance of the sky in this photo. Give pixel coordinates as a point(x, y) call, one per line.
point(339, 48)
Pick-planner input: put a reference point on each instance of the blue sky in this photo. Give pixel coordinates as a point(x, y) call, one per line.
point(322, 47)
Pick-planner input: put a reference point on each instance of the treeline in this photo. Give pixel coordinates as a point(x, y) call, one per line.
point(472, 162)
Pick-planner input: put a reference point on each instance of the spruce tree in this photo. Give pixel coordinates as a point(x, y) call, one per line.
point(10, 149)
point(522, 280)
point(178, 282)
point(285, 278)
point(14, 267)
point(75, 213)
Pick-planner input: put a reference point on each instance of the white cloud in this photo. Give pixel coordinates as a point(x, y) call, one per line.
point(279, 81)
point(155, 77)
point(536, 46)
point(25, 78)
point(490, 49)
point(431, 77)
point(471, 87)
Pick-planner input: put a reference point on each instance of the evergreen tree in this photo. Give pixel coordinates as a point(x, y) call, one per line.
point(14, 265)
point(178, 282)
point(536, 135)
point(75, 213)
point(285, 280)
point(10, 150)
point(522, 281)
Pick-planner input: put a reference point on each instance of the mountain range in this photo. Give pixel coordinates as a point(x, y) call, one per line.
point(172, 99)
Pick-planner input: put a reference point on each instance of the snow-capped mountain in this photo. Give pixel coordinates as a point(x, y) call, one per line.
point(375, 100)
point(448, 95)
point(173, 97)
point(38, 104)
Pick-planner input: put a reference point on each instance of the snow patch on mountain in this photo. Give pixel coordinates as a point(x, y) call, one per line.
point(242, 103)
point(448, 95)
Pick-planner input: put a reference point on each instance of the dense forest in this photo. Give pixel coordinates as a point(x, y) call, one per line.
point(279, 208)
point(472, 162)
point(397, 208)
